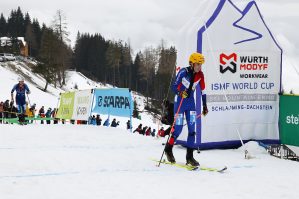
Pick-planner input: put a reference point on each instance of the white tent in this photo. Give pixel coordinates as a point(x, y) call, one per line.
point(242, 74)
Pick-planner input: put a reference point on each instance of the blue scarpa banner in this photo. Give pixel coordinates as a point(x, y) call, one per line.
point(115, 101)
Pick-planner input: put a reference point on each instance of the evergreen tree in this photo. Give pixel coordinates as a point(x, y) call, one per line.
point(3, 26)
point(48, 56)
point(27, 21)
point(16, 23)
point(30, 38)
point(126, 66)
point(135, 72)
point(38, 34)
point(113, 58)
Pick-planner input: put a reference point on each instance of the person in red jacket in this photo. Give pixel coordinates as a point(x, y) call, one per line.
point(138, 129)
point(148, 131)
point(161, 132)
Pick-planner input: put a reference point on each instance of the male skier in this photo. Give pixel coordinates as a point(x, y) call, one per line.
point(184, 85)
point(21, 89)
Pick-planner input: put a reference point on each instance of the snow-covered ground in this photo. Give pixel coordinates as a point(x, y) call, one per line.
point(9, 73)
point(76, 79)
point(72, 161)
point(78, 161)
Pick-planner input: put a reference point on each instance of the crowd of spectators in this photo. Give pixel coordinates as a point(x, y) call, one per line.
point(9, 111)
point(48, 116)
point(146, 130)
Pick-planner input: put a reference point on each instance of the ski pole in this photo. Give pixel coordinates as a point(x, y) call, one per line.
point(171, 130)
point(28, 99)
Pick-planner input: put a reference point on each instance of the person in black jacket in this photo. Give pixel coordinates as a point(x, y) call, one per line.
point(1, 112)
point(129, 125)
point(143, 130)
point(98, 120)
point(6, 109)
point(168, 115)
point(114, 123)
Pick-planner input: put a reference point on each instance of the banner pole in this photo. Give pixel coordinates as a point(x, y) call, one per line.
point(57, 105)
point(92, 101)
point(131, 123)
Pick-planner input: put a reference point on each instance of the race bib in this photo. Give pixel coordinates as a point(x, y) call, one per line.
point(192, 116)
point(185, 82)
point(179, 119)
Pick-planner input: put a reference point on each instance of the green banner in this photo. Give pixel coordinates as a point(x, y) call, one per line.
point(289, 120)
point(66, 106)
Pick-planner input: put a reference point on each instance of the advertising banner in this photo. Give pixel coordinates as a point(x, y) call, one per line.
point(66, 106)
point(289, 120)
point(243, 77)
point(82, 105)
point(116, 101)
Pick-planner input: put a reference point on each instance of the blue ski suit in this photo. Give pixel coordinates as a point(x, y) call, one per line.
point(20, 96)
point(186, 80)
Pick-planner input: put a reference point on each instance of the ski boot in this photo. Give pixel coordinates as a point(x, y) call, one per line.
point(190, 159)
point(21, 119)
point(168, 153)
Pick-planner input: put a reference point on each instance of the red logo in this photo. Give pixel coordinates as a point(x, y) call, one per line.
point(228, 62)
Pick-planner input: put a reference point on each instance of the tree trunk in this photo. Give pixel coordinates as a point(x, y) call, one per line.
point(46, 87)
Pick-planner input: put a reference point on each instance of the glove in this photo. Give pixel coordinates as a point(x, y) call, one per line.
point(205, 110)
point(28, 92)
point(183, 94)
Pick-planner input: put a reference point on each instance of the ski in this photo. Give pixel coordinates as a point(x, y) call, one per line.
point(179, 165)
point(193, 168)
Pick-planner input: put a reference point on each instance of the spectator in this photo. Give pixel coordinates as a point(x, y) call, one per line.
point(48, 115)
point(83, 121)
point(148, 131)
point(168, 115)
point(1, 111)
point(153, 133)
point(143, 130)
point(114, 123)
point(98, 120)
point(138, 129)
point(90, 120)
point(93, 120)
point(129, 125)
point(6, 109)
point(53, 114)
point(13, 110)
point(41, 114)
point(161, 132)
point(30, 112)
point(106, 123)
